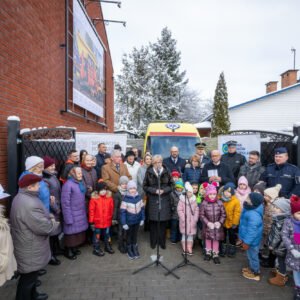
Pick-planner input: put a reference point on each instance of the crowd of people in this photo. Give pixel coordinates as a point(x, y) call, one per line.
point(221, 202)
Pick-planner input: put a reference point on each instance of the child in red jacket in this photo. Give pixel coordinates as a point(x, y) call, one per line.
point(101, 209)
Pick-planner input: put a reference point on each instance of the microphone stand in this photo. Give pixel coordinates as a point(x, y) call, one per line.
point(157, 262)
point(186, 261)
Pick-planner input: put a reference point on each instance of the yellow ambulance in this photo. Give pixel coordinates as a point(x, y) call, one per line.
point(161, 136)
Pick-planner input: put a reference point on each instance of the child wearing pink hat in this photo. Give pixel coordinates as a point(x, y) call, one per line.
point(243, 190)
point(212, 215)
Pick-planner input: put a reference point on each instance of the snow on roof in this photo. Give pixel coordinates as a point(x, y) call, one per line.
point(205, 124)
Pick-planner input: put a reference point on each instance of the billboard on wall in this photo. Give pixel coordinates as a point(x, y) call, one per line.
point(245, 143)
point(88, 64)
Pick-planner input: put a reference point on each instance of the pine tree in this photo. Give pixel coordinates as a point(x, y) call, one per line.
point(220, 120)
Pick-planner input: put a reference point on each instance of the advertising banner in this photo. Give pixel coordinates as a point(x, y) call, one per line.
point(245, 143)
point(89, 141)
point(88, 64)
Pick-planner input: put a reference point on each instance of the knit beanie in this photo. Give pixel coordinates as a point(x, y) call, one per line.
point(273, 192)
point(28, 179)
point(123, 180)
point(211, 189)
point(295, 204)
point(229, 187)
point(179, 184)
point(32, 161)
point(256, 199)
point(101, 185)
point(188, 187)
point(260, 186)
point(283, 204)
point(175, 174)
point(243, 180)
point(48, 161)
point(131, 185)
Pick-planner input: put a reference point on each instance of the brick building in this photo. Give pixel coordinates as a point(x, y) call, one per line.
point(33, 60)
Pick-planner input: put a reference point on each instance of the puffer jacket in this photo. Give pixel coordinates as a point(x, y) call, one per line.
point(274, 239)
point(150, 186)
point(30, 229)
point(233, 212)
point(132, 210)
point(212, 212)
point(287, 234)
point(191, 174)
point(251, 226)
point(101, 211)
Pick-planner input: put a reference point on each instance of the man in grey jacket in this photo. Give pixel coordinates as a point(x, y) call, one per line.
point(252, 169)
point(31, 226)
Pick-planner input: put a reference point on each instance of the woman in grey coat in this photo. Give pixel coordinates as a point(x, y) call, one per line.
point(31, 226)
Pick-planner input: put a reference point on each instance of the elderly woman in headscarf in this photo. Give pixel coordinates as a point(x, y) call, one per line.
point(74, 213)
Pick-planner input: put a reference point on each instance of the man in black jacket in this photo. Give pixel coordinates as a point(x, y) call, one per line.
point(174, 162)
point(100, 158)
point(216, 170)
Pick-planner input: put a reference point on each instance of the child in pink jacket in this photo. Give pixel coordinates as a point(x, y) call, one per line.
point(191, 209)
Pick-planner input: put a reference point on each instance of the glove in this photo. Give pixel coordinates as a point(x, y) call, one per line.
point(114, 222)
point(295, 253)
point(217, 225)
point(125, 227)
point(210, 225)
point(92, 226)
point(245, 246)
point(142, 223)
point(234, 227)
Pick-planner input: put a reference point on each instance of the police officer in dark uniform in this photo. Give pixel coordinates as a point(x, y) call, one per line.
point(284, 173)
point(200, 151)
point(233, 159)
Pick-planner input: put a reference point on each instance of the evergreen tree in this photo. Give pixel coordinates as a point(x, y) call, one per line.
point(220, 120)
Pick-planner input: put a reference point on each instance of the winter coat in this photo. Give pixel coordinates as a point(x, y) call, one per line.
point(212, 212)
point(30, 229)
point(73, 208)
point(191, 174)
point(267, 221)
point(8, 264)
point(274, 239)
point(287, 235)
point(44, 193)
point(174, 198)
point(223, 171)
point(101, 211)
point(234, 161)
point(252, 173)
point(251, 226)
point(140, 180)
point(111, 175)
point(100, 162)
point(133, 169)
point(192, 215)
point(150, 186)
point(118, 198)
point(132, 210)
point(89, 178)
point(55, 190)
point(233, 212)
point(171, 166)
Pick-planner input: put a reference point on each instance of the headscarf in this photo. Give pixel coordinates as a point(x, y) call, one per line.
point(73, 176)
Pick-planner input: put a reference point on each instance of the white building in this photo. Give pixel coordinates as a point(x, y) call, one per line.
point(275, 111)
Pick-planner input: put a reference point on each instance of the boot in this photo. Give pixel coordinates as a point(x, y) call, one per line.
point(273, 272)
point(70, 254)
point(278, 280)
point(108, 248)
point(231, 251)
point(297, 293)
point(183, 247)
point(130, 252)
point(223, 249)
point(208, 255)
point(98, 252)
point(190, 248)
point(57, 249)
point(216, 258)
point(135, 251)
point(54, 261)
point(76, 251)
point(40, 296)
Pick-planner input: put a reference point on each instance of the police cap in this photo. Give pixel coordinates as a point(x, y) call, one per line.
point(280, 150)
point(200, 145)
point(231, 143)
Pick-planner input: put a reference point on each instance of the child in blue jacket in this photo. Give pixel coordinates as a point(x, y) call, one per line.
point(250, 233)
point(132, 215)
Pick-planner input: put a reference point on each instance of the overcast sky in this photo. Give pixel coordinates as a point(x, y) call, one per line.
point(250, 40)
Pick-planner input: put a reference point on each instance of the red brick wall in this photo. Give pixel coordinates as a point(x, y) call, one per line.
point(32, 72)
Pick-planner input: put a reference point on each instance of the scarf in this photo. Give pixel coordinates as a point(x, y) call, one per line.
point(122, 191)
point(296, 226)
point(83, 166)
point(178, 193)
point(211, 201)
point(224, 198)
point(244, 192)
point(80, 183)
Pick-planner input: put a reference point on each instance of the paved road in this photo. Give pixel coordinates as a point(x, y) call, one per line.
point(110, 277)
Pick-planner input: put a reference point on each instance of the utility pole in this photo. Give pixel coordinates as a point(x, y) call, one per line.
point(294, 50)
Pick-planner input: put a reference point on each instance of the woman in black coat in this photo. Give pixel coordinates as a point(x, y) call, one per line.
point(158, 181)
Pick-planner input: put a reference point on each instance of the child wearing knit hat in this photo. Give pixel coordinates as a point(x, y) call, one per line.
point(250, 233)
point(212, 215)
point(175, 195)
point(233, 214)
point(188, 213)
point(243, 190)
point(281, 210)
point(291, 239)
point(270, 194)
